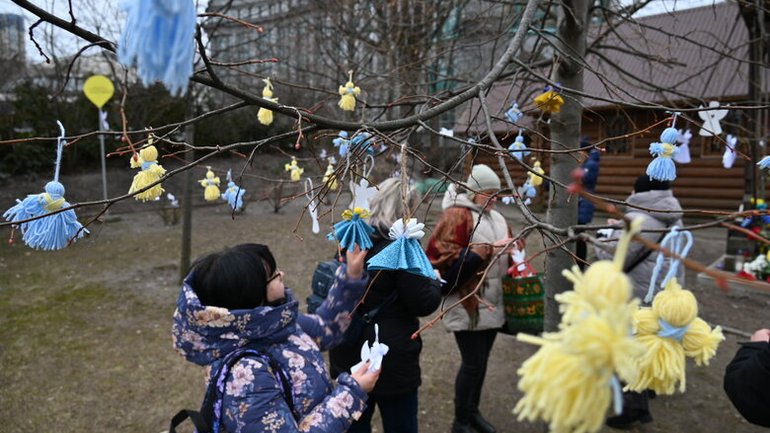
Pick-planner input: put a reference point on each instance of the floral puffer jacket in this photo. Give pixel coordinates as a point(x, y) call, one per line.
point(253, 400)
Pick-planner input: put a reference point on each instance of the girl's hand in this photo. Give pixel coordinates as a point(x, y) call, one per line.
point(366, 379)
point(355, 260)
point(761, 335)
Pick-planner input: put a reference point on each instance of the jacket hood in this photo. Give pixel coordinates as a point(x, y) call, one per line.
point(663, 200)
point(203, 334)
point(453, 198)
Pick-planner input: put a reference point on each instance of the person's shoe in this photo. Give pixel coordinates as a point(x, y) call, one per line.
point(459, 427)
point(481, 425)
point(628, 418)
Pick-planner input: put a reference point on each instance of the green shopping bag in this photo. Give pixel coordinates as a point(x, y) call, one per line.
point(523, 298)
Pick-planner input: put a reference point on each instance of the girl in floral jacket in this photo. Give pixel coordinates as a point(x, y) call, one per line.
point(236, 299)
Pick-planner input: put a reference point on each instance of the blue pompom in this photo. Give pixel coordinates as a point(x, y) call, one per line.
point(234, 195)
point(52, 232)
point(669, 135)
point(403, 254)
point(158, 36)
point(354, 231)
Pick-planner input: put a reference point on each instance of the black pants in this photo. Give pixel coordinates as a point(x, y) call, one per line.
point(475, 347)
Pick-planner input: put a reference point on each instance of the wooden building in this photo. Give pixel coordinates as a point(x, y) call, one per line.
point(684, 59)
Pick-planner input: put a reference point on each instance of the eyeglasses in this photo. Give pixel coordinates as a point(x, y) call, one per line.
point(278, 274)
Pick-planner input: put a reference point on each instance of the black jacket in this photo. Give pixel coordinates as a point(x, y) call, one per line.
point(417, 296)
point(747, 382)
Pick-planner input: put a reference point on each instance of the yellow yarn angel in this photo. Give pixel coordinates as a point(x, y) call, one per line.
point(211, 183)
point(264, 115)
point(570, 381)
point(549, 101)
point(330, 178)
point(602, 285)
point(348, 94)
point(671, 331)
point(295, 170)
point(534, 179)
point(151, 172)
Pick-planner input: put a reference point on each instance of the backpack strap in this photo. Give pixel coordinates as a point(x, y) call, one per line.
point(371, 314)
point(209, 418)
point(631, 266)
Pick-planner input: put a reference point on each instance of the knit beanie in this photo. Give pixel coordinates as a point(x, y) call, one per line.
point(482, 178)
point(644, 183)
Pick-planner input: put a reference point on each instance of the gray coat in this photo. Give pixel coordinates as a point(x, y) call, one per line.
point(668, 213)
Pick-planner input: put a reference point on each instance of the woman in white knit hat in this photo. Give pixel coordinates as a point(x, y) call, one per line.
point(463, 244)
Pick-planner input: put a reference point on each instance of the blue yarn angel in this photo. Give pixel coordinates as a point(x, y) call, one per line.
point(158, 36)
point(405, 252)
point(518, 149)
point(353, 230)
point(342, 143)
point(764, 163)
point(662, 167)
point(234, 193)
point(363, 139)
point(514, 114)
point(52, 232)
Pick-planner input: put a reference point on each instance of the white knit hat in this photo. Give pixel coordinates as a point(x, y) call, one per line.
point(482, 178)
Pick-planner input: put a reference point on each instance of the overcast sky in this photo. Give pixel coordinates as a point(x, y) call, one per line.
point(102, 15)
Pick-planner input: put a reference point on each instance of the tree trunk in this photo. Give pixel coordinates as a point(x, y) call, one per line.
point(565, 134)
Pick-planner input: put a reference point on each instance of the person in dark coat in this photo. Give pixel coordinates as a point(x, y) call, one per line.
point(747, 379)
point(415, 296)
point(585, 207)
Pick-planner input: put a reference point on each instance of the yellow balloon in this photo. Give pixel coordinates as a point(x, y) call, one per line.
point(98, 90)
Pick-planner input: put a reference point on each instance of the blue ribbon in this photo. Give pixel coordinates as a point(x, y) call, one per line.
point(668, 330)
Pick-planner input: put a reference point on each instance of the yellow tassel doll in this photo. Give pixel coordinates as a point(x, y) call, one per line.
point(294, 169)
point(549, 101)
point(264, 115)
point(211, 183)
point(151, 171)
point(671, 331)
point(571, 380)
point(348, 94)
point(330, 178)
point(534, 179)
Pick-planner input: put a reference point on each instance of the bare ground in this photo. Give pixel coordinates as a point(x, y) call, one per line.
point(85, 332)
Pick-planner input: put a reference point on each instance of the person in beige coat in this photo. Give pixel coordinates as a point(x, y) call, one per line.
point(463, 244)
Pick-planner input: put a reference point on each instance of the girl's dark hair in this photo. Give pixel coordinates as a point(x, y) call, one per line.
point(235, 278)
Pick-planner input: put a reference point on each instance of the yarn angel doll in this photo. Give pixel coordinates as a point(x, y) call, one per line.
point(211, 183)
point(151, 172)
point(728, 158)
point(264, 115)
point(513, 114)
point(47, 232)
point(670, 330)
point(404, 252)
point(518, 149)
point(233, 195)
point(549, 101)
point(535, 179)
point(348, 94)
point(662, 167)
point(158, 36)
point(295, 171)
point(575, 374)
point(764, 163)
point(330, 178)
point(342, 142)
point(363, 139)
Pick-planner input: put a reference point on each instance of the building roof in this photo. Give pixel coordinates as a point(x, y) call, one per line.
point(690, 56)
